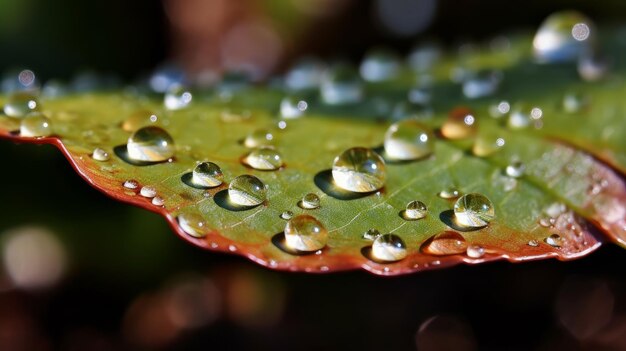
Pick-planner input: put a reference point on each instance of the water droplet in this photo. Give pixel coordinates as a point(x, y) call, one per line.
point(359, 170)
point(533, 243)
point(150, 144)
point(460, 124)
point(247, 190)
point(563, 36)
point(487, 144)
point(131, 184)
point(500, 109)
point(20, 104)
point(305, 233)
point(474, 210)
point(449, 193)
point(388, 248)
point(264, 159)
point(379, 65)
point(148, 191)
point(158, 201)
point(138, 119)
point(310, 201)
point(193, 224)
point(293, 107)
point(515, 169)
point(415, 210)
point(554, 240)
point(258, 138)
point(475, 251)
point(177, 98)
point(519, 118)
point(207, 175)
point(482, 84)
point(287, 215)
point(446, 243)
point(408, 140)
point(371, 234)
point(341, 85)
point(35, 125)
point(306, 74)
point(100, 155)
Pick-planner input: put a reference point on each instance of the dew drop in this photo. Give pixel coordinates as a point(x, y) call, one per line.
point(310, 201)
point(264, 159)
point(449, 193)
point(359, 170)
point(415, 210)
point(158, 201)
point(460, 124)
point(138, 119)
point(487, 144)
point(519, 118)
point(35, 125)
point(515, 169)
point(258, 138)
point(150, 144)
point(446, 243)
point(292, 107)
point(533, 243)
point(131, 184)
point(20, 104)
point(554, 240)
point(287, 215)
point(341, 85)
point(388, 248)
point(499, 109)
point(475, 251)
point(473, 210)
point(207, 175)
point(408, 140)
point(177, 98)
point(371, 234)
point(148, 191)
point(193, 224)
point(379, 65)
point(563, 36)
point(100, 155)
point(247, 190)
point(305, 233)
point(420, 95)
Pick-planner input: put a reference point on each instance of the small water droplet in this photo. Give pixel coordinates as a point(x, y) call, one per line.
point(193, 224)
point(20, 104)
point(35, 125)
point(131, 184)
point(408, 140)
point(563, 36)
point(533, 243)
point(460, 124)
point(148, 191)
point(287, 215)
point(449, 193)
point(207, 175)
point(177, 98)
point(138, 119)
point(379, 65)
point(446, 243)
point(487, 144)
point(158, 201)
point(100, 155)
point(516, 169)
point(475, 251)
point(554, 240)
point(359, 170)
point(473, 210)
point(293, 107)
point(415, 210)
point(264, 159)
point(247, 190)
point(258, 138)
point(388, 248)
point(371, 234)
point(341, 85)
point(310, 201)
point(150, 144)
point(305, 233)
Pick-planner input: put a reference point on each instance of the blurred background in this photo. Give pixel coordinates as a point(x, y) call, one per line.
point(82, 272)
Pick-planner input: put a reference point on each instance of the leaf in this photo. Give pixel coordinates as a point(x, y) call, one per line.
point(573, 186)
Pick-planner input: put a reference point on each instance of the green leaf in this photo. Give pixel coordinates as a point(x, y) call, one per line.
point(572, 189)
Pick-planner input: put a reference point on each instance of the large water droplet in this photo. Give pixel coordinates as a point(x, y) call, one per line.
point(341, 85)
point(207, 175)
point(359, 170)
point(408, 140)
point(310, 201)
point(21, 103)
point(379, 65)
point(293, 107)
point(460, 124)
point(388, 248)
point(138, 119)
point(247, 190)
point(264, 159)
point(177, 98)
point(474, 210)
point(193, 224)
point(305, 233)
point(258, 138)
point(150, 144)
point(35, 125)
point(446, 243)
point(415, 210)
point(563, 36)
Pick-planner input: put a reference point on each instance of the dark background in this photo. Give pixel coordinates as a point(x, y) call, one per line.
point(121, 288)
